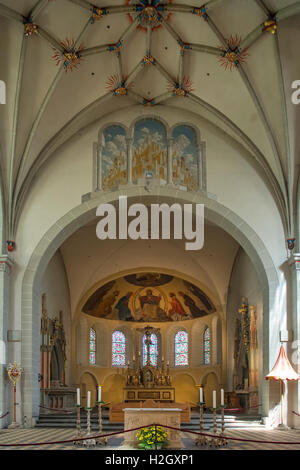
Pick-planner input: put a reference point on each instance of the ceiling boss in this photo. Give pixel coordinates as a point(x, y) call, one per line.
point(150, 13)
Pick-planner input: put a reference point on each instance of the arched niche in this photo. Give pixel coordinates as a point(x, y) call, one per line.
point(112, 390)
point(88, 382)
point(57, 365)
point(185, 388)
point(210, 382)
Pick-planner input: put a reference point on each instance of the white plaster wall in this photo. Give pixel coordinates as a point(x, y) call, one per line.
point(68, 175)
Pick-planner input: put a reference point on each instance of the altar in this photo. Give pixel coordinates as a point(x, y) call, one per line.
point(148, 381)
point(135, 417)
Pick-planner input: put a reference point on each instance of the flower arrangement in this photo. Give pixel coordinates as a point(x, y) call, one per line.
point(151, 436)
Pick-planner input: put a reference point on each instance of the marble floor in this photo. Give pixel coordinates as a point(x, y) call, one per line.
point(16, 438)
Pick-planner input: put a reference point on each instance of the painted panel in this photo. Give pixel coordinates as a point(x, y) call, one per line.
point(185, 157)
point(114, 157)
point(149, 150)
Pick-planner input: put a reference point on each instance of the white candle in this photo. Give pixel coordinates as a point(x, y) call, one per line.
point(222, 397)
point(78, 396)
point(133, 357)
point(99, 392)
point(214, 399)
point(201, 395)
point(88, 399)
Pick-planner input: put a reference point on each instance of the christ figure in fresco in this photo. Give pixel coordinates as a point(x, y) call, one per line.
point(150, 309)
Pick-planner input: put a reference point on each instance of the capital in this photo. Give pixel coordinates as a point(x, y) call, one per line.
point(6, 264)
point(294, 261)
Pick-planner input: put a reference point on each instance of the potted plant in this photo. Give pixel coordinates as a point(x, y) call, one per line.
point(152, 437)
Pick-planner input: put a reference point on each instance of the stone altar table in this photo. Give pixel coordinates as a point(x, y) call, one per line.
point(135, 417)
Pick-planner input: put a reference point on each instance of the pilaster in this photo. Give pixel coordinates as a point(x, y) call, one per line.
point(6, 265)
point(129, 159)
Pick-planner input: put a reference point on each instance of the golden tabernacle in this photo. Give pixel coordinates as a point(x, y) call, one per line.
point(148, 382)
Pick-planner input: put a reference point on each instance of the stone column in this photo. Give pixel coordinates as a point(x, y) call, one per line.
point(170, 161)
point(129, 159)
point(99, 168)
point(5, 270)
point(294, 263)
point(201, 167)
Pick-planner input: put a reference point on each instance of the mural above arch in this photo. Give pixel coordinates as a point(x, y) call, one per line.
point(149, 297)
point(114, 157)
point(149, 150)
point(185, 157)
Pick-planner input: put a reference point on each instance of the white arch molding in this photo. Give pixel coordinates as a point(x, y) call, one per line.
point(85, 213)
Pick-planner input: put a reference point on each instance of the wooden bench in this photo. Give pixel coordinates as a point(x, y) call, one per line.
point(116, 413)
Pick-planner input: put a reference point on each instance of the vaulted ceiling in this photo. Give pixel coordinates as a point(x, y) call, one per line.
point(67, 63)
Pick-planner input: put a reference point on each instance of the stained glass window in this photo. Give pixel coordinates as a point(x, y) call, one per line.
point(206, 346)
point(118, 349)
point(181, 349)
point(153, 350)
point(92, 346)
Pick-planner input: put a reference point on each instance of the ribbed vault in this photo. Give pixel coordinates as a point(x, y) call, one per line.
point(68, 63)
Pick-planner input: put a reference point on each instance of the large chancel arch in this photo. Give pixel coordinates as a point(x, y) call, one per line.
point(112, 113)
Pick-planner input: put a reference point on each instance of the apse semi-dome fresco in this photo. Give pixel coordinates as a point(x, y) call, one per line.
point(149, 296)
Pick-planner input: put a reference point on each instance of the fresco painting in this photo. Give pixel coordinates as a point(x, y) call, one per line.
point(114, 157)
point(185, 157)
point(149, 150)
point(149, 297)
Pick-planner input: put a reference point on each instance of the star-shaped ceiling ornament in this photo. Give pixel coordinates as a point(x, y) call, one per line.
point(150, 12)
point(69, 55)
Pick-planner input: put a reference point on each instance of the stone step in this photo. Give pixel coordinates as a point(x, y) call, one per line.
point(69, 421)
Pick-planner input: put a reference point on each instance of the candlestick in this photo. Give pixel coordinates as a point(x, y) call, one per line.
point(89, 442)
point(201, 440)
point(215, 420)
point(100, 440)
point(78, 427)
